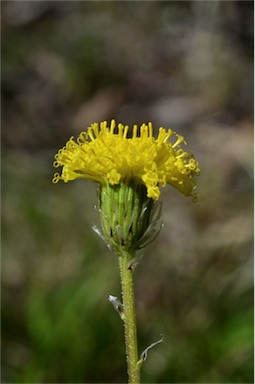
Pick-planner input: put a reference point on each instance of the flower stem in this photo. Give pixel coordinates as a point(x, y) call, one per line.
point(129, 318)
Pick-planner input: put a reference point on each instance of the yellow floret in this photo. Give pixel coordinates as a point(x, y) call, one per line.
point(108, 155)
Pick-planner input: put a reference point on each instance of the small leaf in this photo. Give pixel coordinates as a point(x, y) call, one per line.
point(117, 305)
point(144, 354)
point(134, 261)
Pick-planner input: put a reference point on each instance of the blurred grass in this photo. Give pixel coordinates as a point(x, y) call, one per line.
point(183, 64)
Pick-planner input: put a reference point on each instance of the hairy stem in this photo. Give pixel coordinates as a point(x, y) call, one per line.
point(129, 318)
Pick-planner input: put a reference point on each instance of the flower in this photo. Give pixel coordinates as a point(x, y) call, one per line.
point(129, 169)
point(108, 155)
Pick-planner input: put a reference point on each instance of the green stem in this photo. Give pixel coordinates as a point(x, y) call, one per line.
point(129, 318)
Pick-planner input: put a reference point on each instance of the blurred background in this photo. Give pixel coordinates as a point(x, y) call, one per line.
point(182, 65)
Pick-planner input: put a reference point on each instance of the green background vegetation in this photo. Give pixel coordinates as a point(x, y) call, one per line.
point(184, 65)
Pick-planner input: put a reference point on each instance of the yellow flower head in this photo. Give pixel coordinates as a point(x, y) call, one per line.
point(109, 155)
